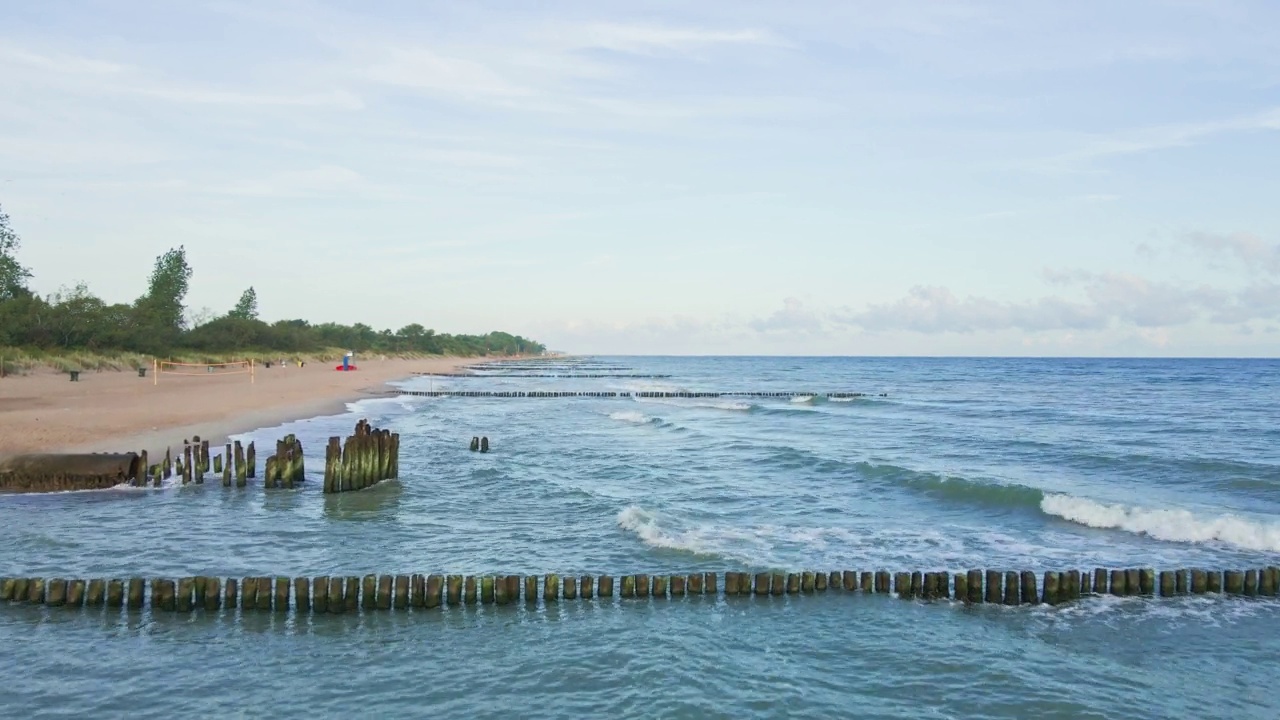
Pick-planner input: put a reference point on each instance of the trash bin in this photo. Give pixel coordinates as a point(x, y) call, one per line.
point(75, 376)
point(142, 372)
point(346, 362)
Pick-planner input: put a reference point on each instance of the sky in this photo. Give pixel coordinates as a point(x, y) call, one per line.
point(1074, 178)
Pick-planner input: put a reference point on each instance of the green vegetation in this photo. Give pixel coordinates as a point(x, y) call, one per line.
point(74, 329)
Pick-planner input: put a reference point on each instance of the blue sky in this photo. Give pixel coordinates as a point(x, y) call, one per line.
point(936, 178)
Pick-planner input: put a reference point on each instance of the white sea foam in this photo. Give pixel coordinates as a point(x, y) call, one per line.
point(645, 525)
point(841, 399)
point(802, 399)
point(630, 416)
point(1171, 525)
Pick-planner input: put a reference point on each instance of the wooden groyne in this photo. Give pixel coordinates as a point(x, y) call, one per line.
point(626, 394)
point(56, 473)
point(368, 457)
point(339, 594)
point(546, 375)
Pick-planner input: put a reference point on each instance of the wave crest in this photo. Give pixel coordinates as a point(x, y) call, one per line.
point(1171, 525)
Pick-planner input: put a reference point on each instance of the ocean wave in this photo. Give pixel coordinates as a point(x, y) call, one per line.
point(955, 488)
point(729, 405)
point(802, 399)
point(645, 525)
point(1171, 525)
point(631, 416)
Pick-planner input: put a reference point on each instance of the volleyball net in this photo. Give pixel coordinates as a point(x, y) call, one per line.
point(170, 367)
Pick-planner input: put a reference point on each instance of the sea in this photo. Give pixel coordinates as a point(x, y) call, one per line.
point(945, 464)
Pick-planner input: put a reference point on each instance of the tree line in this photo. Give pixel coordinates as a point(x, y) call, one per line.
point(156, 323)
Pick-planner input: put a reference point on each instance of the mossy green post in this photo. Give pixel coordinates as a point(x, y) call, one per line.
point(628, 586)
point(570, 584)
point(962, 587)
point(212, 599)
point(230, 594)
point(606, 586)
point(302, 595)
point(369, 592)
point(469, 592)
point(762, 584)
point(659, 585)
point(400, 600)
point(217, 464)
point(6, 588)
point(96, 594)
point(1213, 581)
point(1132, 581)
point(1167, 583)
point(1251, 582)
point(115, 593)
point(849, 580)
point(882, 581)
point(199, 584)
point(251, 461)
point(1269, 582)
point(793, 583)
point(75, 593)
point(320, 594)
point(643, 587)
point(488, 590)
point(677, 583)
point(822, 581)
point(280, 599)
point(693, 583)
point(917, 584)
point(352, 595)
point(975, 586)
point(57, 593)
point(865, 581)
point(1086, 583)
point(385, 585)
point(435, 585)
point(779, 585)
point(184, 602)
point(1182, 581)
point(807, 582)
point(1030, 593)
point(531, 588)
point(135, 595)
point(264, 593)
point(995, 587)
point(334, 598)
point(1118, 580)
point(417, 590)
point(248, 593)
point(1233, 582)
point(1050, 592)
point(550, 588)
point(500, 594)
point(709, 583)
point(1011, 588)
point(160, 600)
point(586, 587)
point(1146, 581)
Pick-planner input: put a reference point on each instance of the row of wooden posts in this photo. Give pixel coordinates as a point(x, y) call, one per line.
point(340, 594)
point(283, 469)
point(367, 457)
point(565, 375)
point(480, 444)
point(614, 394)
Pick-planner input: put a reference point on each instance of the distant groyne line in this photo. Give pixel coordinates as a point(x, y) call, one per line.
point(567, 376)
point(372, 592)
point(630, 394)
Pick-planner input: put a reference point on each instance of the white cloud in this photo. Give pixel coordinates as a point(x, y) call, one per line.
point(791, 317)
point(1244, 247)
point(644, 39)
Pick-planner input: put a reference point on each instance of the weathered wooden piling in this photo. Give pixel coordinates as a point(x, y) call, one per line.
point(882, 581)
point(319, 594)
point(280, 598)
point(735, 583)
point(820, 581)
point(865, 581)
point(469, 590)
point(351, 595)
point(484, 444)
point(1052, 593)
point(135, 596)
point(199, 583)
point(793, 583)
point(1167, 583)
point(1011, 588)
point(902, 585)
point(975, 586)
point(1212, 581)
point(453, 590)
point(369, 592)
point(531, 588)
point(212, 594)
point(75, 593)
point(400, 600)
point(265, 594)
point(709, 583)
point(677, 583)
point(96, 593)
point(475, 444)
point(586, 587)
point(230, 594)
point(550, 587)
point(606, 586)
point(162, 595)
point(217, 464)
point(115, 593)
point(762, 583)
point(1182, 581)
point(435, 584)
point(1029, 592)
point(995, 587)
point(849, 580)
point(57, 593)
point(962, 587)
point(385, 583)
point(1251, 582)
point(1118, 581)
point(1146, 581)
point(571, 587)
point(248, 593)
point(337, 603)
point(227, 466)
point(185, 600)
point(7, 588)
point(1269, 582)
point(1233, 582)
point(251, 461)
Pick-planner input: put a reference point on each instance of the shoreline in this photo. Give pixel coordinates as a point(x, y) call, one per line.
point(116, 411)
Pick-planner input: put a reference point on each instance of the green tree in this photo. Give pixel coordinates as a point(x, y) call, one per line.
point(162, 305)
point(247, 307)
point(13, 276)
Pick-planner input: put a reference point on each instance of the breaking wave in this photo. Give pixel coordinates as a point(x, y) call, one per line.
point(1172, 525)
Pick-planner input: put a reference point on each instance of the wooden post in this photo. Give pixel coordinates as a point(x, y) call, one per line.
point(384, 592)
point(606, 586)
point(248, 593)
point(337, 603)
point(693, 583)
point(1072, 581)
point(401, 599)
point(1086, 585)
point(570, 587)
point(550, 588)
point(660, 586)
point(531, 589)
point(995, 589)
point(1118, 580)
point(820, 581)
point(212, 594)
point(1212, 581)
point(135, 597)
point(488, 590)
point(1233, 582)
point(586, 587)
point(302, 595)
point(500, 594)
point(352, 593)
point(229, 596)
point(709, 583)
point(7, 589)
point(264, 593)
point(115, 593)
point(453, 590)
point(1251, 582)
point(434, 585)
point(167, 468)
point(1011, 588)
point(793, 583)
point(251, 461)
point(865, 581)
point(917, 580)
point(1132, 581)
point(96, 593)
point(204, 460)
point(975, 586)
point(1166, 583)
point(469, 590)
point(217, 464)
point(677, 583)
point(75, 593)
point(57, 593)
point(1269, 582)
point(186, 594)
point(807, 582)
point(849, 580)
point(962, 587)
point(281, 597)
point(1146, 581)
point(226, 468)
point(188, 470)
point(1182, 581)
point(369, 587)
point(162, 595)
point(882, 581)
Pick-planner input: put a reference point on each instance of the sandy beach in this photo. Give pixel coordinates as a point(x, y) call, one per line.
point(121, 412)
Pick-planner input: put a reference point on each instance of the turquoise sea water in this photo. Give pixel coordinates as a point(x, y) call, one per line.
point(967, 463)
